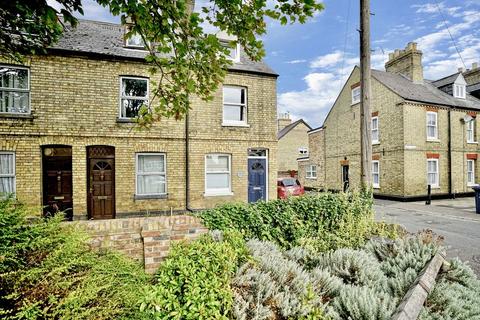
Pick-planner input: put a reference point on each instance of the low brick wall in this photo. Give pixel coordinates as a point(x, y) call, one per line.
point(146, 239)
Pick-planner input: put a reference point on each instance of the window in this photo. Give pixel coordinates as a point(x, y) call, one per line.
point(375, 132)
point(217, 174)
point(356, 95)
point(133, 96)
point(151, 174)
point(432, 129)
point(312, 172)
point(376, 173)
point(459, 91)
point(303, 150)
point(14, 90)
point(471, 131)
point(234, 106)
point(470, 172)
point(7, 173)
point(432, 173)
point(233, 50)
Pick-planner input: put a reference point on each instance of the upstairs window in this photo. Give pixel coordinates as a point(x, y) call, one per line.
point(356, 95)
point(432, 173)
point(459, 91)
point(432, 126)
point(233, 50)
point(217, 174)
point(311, 172)
point(471, 131)
point(470, 172)
point(375, 132)
point(7, 173)
point(151, 174)
point(14, 90)
point(376, 173)
point(234, 106)
point(303, 151)
point(133, 96)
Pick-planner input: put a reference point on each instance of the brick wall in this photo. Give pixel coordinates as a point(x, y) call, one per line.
point(147, 239)
point(288, 147)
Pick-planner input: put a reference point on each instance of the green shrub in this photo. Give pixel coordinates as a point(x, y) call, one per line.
point(49, 272)
point(194, 281)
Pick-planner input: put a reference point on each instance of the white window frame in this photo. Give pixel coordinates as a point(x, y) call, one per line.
point(471, 131)
point(224, 191)
point(311, 172)
point(376, 185)
point(303, 150)
point(437, 182)
point(122, 97)
point(376, 141)
point(19, 90)
point(434, 138)
point(137, 174)
point(459, 91)
point(232, 123)
point(14, 174)
point(471, 183)
point(356, 97)
point(226, 44)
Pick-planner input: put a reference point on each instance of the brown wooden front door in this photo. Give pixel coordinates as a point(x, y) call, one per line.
point(101, 182)
point(57, 180)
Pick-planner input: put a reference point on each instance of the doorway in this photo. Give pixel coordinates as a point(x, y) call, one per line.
point(345, 178)
point(101, 182)
point(257, 175)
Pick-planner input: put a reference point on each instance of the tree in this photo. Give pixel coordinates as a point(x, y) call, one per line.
point(188, 60)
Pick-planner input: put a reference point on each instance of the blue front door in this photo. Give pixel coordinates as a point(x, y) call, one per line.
point(257, 180)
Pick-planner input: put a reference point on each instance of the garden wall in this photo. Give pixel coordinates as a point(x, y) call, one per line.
point(146, 239)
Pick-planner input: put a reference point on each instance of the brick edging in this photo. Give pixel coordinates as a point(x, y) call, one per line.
point(413, 301)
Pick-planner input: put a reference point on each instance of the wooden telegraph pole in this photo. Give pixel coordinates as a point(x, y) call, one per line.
point(365, 113)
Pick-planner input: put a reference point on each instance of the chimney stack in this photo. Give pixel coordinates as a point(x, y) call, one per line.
point(472, 76)
point(407, 62)
point(283, 120)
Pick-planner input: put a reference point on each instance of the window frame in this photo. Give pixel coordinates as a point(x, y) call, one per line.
point(234, 123)
point(303, 150)
point(11, 175)
point(429, 138)
point(226, 44)
point(472, 130)
point(471, 183)
point(437, 182)
point(224, 191)
point(122, 97)
point(311, 171)
point(377, 141)
point(354, 100)
point(459, 91)
point(137, 155)
point(19, 90)
point(376, 185)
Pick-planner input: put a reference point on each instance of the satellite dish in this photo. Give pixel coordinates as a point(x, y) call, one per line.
point(467, 118)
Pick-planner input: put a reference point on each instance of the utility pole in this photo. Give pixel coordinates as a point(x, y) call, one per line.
point(365, 113)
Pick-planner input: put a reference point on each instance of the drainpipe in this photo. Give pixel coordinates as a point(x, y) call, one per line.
point(187, 165)
point(450, 194)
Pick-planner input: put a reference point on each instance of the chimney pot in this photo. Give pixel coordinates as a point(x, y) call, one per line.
point(407, 62)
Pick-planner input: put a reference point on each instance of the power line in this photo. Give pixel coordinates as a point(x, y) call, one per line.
point(346, 38)
point(448, 29)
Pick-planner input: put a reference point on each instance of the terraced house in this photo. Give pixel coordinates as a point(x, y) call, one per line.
point(68, 142)
point(423, 133)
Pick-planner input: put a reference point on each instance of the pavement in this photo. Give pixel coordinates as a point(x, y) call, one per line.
point(455, 219)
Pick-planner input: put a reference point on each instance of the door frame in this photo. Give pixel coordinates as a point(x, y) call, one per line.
point(267, 170)
point(89, 209)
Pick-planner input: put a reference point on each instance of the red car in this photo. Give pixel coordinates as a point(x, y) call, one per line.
point(287, 187)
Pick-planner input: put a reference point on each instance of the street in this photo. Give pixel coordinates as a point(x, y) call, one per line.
point(456, 220)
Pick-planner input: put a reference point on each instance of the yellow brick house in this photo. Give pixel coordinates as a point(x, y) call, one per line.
point(423, 133)
point(68, 139)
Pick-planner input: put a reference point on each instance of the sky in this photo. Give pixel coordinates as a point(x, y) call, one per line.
point(314, 59)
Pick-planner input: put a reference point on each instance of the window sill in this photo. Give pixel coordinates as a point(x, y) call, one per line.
point(309, 178)
point(472, 142)
point(472, 184)
point(126, 120)
point(234, 124)
point(376, 187)
point(435, 187)
point(16, 115)
point(433, 140)
point(374, 143)
point(355, 103)
point(150, 196)
point(217, 194)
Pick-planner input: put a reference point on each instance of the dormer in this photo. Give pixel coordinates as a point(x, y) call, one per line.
point(228, 42)
point(460, 87)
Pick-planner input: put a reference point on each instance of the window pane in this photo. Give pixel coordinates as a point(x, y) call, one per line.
point(151, 184)
point(7, 165)
point(232, 113)
point(14, 102)
point(217, 163)
point(7, 185)
point(375, 135)
point(376, 179)
point(431, 132)
point(232, 95)
point(134, 88)
point(432, 119)
point(131, 107)
point(135, 41)
point(218, 181)
point(13, 78)
point(151, 163)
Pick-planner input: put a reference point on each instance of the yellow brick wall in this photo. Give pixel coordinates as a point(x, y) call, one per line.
point(316, 157)
point(288, 147)
point(75, 102)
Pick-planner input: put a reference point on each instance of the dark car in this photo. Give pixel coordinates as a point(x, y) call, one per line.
point(287, 187)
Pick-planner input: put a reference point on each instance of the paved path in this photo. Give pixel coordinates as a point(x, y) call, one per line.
point(454, 219)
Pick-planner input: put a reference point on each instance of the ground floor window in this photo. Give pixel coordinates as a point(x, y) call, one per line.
point(432, 173)
point(312, 171)
point(470, 172)
point(217, 174)
point(376, 173)
point(7, 173)
point(151, 174)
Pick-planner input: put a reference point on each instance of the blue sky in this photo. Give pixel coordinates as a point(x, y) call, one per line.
point(314, 59)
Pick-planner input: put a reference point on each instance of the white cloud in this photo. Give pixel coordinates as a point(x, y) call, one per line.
point(296, 61)
point(327, 60)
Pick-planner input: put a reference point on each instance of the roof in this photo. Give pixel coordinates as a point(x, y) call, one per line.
point(473, 87)
point(103, 38)
point(288, 128)
point(315, 130)
point(446, 81)
point(424, 92)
